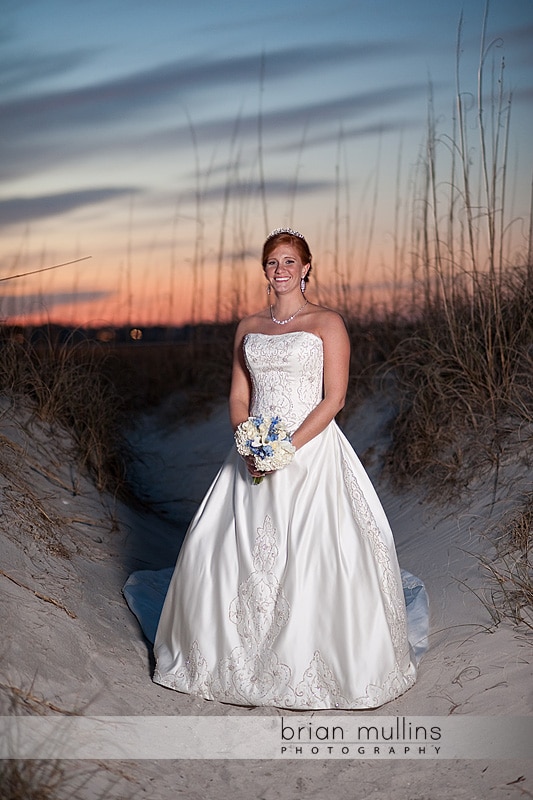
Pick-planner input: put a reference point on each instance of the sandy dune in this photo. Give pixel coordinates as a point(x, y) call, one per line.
point(71, 644)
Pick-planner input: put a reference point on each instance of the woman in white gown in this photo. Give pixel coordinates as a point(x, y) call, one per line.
point(288, 592)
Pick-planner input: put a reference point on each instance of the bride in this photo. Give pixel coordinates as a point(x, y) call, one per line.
point(287, 591)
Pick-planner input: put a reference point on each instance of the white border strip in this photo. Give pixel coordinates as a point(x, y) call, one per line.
point(266, 737)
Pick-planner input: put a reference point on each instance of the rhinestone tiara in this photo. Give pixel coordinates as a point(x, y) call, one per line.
point(285, 230)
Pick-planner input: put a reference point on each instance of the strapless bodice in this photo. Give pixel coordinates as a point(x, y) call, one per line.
point(287, 374)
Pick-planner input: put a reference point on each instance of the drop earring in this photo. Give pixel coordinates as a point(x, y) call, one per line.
point(302, 285)
point(268, 288)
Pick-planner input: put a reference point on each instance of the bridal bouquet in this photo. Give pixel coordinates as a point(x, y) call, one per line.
point(267, 440)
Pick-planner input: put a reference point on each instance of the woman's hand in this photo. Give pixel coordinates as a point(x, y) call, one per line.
point(252, 469)
point(250, 466)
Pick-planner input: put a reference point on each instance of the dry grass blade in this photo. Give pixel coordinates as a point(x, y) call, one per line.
point(39, 595)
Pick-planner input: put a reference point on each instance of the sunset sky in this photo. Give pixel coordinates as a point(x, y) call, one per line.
point(165, 139)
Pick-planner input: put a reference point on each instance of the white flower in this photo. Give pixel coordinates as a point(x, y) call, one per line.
point(267, 440)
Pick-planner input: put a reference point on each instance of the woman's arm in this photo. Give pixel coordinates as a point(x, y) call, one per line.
point(240, 391)
point(336, 346)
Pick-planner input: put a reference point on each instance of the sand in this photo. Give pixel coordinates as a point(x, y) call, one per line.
point(70, 644)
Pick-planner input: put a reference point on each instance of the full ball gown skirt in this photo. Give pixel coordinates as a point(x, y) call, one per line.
point(288, 593)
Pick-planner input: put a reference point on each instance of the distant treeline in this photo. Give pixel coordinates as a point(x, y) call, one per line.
point(109, 334)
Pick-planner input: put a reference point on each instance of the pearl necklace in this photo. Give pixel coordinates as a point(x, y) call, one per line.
point(285, 321)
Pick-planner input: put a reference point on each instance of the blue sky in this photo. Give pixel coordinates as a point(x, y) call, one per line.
point(141, 133)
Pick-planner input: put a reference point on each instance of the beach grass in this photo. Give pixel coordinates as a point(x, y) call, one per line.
point(31, 780)
point(68, 383)
point(195, 372)
point(511, 568)
point(463, 383)
point(38, 778)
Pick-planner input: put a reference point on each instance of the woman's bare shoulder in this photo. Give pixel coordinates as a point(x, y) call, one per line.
point(326, 319)
point(251, 324)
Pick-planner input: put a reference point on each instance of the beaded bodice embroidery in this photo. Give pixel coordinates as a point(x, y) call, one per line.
point(286, 373)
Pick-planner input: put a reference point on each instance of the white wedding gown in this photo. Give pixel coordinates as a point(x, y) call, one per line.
point(287, 593)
